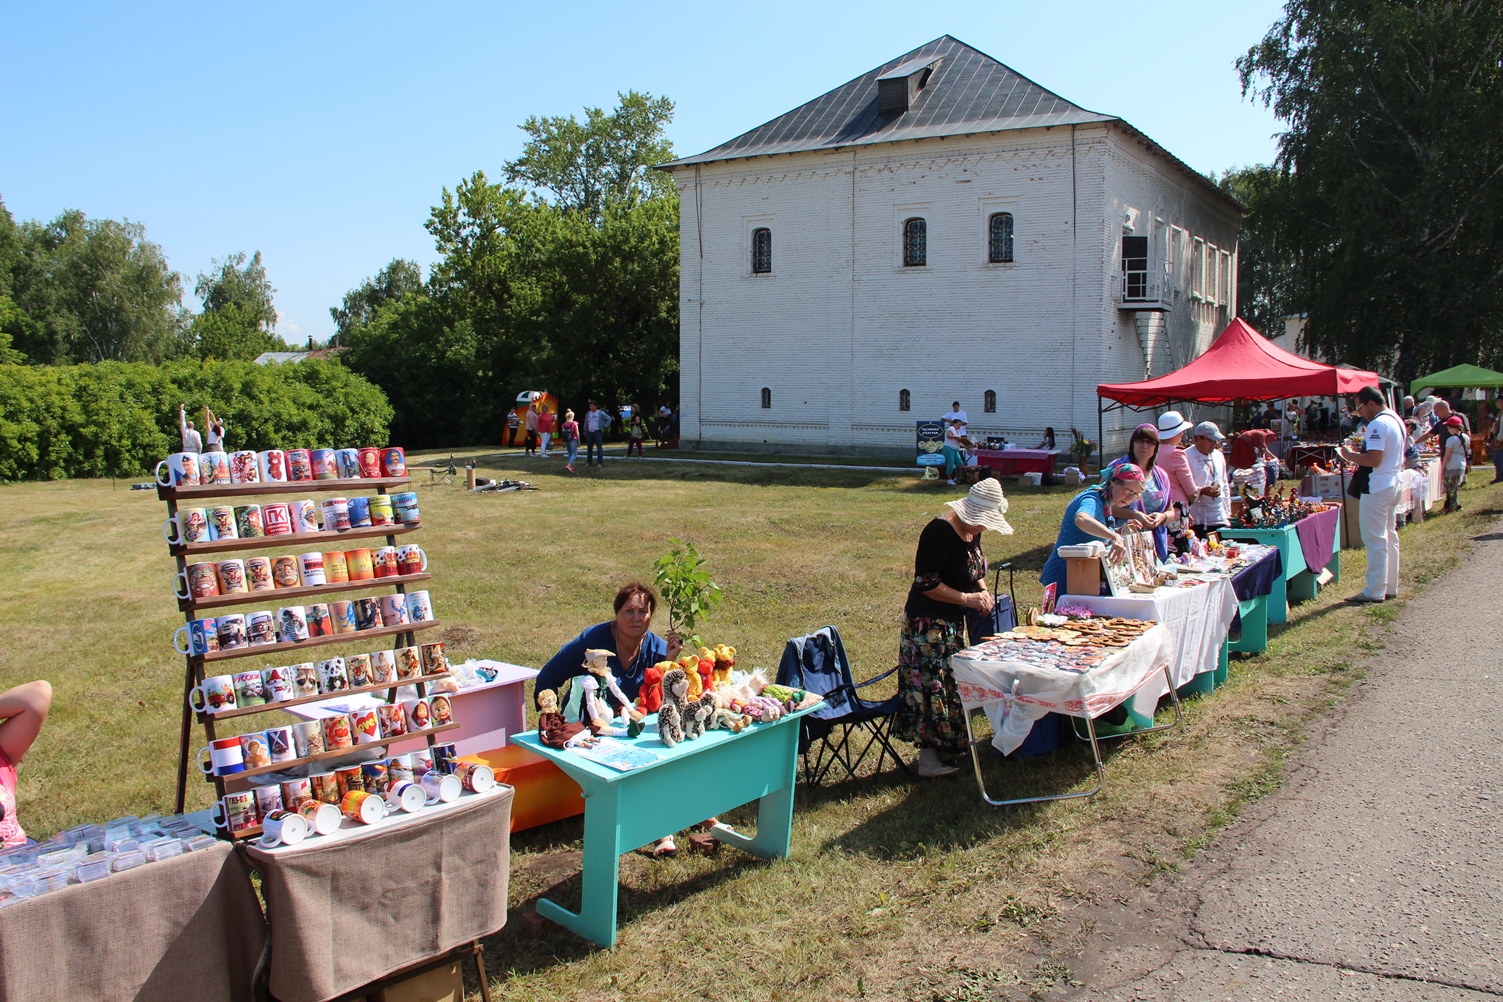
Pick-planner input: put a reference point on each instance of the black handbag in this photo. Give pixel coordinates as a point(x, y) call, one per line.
point(1360, 481)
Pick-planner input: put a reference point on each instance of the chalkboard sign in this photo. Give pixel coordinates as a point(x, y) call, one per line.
point(931, 440)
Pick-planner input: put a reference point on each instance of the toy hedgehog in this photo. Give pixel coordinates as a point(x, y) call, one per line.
point(673, 715)
point(700, 713)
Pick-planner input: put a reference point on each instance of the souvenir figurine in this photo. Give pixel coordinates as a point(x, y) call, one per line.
point(553, 730)
point(597, 704)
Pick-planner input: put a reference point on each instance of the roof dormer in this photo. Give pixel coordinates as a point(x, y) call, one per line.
point(897, 88)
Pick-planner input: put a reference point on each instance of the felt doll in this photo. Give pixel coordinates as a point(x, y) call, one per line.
point(597, 704)
point(651, 695)
point(553, 730)
point(675, 709)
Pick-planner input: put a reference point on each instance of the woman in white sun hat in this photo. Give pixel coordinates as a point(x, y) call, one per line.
point(1172, 459)
point(949, 581)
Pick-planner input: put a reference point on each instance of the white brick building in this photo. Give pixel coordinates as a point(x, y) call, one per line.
point(858, 263)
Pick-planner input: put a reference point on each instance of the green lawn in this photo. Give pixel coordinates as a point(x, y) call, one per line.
point(898, 889)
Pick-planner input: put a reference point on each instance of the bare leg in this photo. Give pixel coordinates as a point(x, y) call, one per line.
point(23, 710)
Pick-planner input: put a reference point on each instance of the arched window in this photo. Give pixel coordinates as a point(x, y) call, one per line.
point(989, 402)
point(761, 251)
point(999, 238)
point(915, 243)
point(905, 400)
point(766, 398)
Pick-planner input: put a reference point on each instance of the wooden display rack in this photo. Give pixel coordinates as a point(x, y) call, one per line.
point(193, 608)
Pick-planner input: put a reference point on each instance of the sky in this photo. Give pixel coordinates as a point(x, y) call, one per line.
point(321, 134)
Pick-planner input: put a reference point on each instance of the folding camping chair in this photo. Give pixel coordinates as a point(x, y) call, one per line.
point(817, 663)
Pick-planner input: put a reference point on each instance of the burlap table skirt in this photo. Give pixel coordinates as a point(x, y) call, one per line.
point(353, 908)
point(186, 928)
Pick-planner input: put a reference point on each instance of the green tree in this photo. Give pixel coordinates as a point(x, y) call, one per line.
point(1394, 158)
point(399, 278)
point(231, 332)
point(606, 159)
point(243, 283)
point(1266, 272)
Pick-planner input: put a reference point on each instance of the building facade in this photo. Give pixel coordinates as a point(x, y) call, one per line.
point(863, 261)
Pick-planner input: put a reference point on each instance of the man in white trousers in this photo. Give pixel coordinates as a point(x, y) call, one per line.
point(1383, 453)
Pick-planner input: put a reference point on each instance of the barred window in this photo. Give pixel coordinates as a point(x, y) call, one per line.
point(915, 243)
point(905, 400)
point(766, 398)
point(761, 251)
point(999, 238)
point(989, 402)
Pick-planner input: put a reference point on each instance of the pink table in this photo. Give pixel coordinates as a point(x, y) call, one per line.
point(1010, 462)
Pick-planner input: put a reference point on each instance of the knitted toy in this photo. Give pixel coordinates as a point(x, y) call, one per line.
point(698, 716)
point(674, 712)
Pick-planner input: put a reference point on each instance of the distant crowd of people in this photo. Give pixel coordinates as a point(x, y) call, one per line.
point(542, 425)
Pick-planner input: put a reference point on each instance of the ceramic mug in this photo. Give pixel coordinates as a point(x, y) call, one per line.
point(268, 799)
point(442, 706)
point(231, 631)
point(337, 732)
point(305, 679)
point(222, 522)
point(367, 614)
point(304, 516)
point(419, 608)
point(307, 738)
point(434, 661)
point(381, 510)
point(475, 777)
point(384, 562)
point(279, 743)
point(366, 724)
point(199, 580)
point(370, 462)
point(332, 676)
point(325, 787)
point(357, 667)
point(393, 461)
point(348, 461)
point(235, 812)
point(280, 684)
point(393, 721)
point(444, 756)
point(405, 795)
point(201, 636)
point(399, 767)
point(232, 577)
point(349, 779)
point(374, 775)
point(245, 468)
point(292, 624)
point(422, 761)
point(336, 513)
point(336, 568)
point(394, 610)
point(360, 512)
point(261, 628)
point(283, 827)
point(179, 470)
point(295, 791)
point(366, 808)
point(189, 525)
point(359, 565)
point(412, 560)
point(253, 747)
point(225, 757)
point(325, 466)
point(342, 616)
point(258, 574)
point(248, 521)
point(273, 463)
point(405, 507)
point(323, 818)
point(320, 624)
point(250, 688)
point(299, 465)
point(409, 662)
point(284, 572)
point(213, 468)
point(440, 787)
point(312, 567)
point(383, 667)
point(215, 693)
point(418, 714)
point(276, 518)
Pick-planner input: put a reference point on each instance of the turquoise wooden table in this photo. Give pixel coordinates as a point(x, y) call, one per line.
point(1298, 582)
point(692, 781)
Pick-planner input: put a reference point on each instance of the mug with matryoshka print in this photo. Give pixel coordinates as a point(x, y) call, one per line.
point(273, 463)
point(245, 468)
point(258, 574)
point(222, 522)
point(284, 572)
point(179, 470)
point(235, 812)
point(384, 562)
point(261, 628)
point(201, 636)
point(199, 580)
point(299, 465)
point(213, 695)
point(393, 610)
point(320, 623)
point(189, 525)
point(232, 577)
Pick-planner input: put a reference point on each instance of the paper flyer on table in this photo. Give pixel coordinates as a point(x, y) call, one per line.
point(615, 754)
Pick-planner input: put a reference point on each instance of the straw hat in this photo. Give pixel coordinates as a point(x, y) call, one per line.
point(984, 506)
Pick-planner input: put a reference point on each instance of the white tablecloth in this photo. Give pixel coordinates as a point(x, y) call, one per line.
point(1013, 694)
point(1197, 619)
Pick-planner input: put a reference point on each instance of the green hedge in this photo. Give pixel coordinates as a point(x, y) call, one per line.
point(118, 419)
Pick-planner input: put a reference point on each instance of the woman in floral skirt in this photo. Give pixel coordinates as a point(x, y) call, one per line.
point(949, 573)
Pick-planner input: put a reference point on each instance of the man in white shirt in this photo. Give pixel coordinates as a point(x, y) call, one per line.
point(192, 441)
point(956, 414)
point(596, 422)
point(1211, 508)
point(1383, 451)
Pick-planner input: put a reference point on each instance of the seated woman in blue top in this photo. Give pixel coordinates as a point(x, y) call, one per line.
point(634, 648)
point(1089, 517)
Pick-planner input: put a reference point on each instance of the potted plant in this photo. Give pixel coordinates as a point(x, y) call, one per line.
point(1081, 448)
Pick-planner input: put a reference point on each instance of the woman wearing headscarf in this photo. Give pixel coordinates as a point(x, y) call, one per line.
point(1089, 516)
point(949, 582)
point(1153, 510)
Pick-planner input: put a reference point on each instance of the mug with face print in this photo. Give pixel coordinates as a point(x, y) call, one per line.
point(232, 577)
point(222, 522)
point(189, 525)
point(305, 679)
point(199, 580)
point(370, 462)
point(280, 684)
point(253, 747)
point(178, 470)
point(248, 522)
point(258, 574)
point(304, 516)
point(284, 572)
point(393, 461)
point(393, 720)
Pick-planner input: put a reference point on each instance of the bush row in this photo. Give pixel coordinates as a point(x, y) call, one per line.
point(118, 419)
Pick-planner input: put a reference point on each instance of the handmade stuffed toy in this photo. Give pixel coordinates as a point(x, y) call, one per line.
point(651, 695)
point(674, 712)
point(724, 659)
point(689, 664)
point(600, 707)
point(553, 730)
point(698, 716)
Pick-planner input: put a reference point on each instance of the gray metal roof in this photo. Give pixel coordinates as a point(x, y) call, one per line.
point(968, 92)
